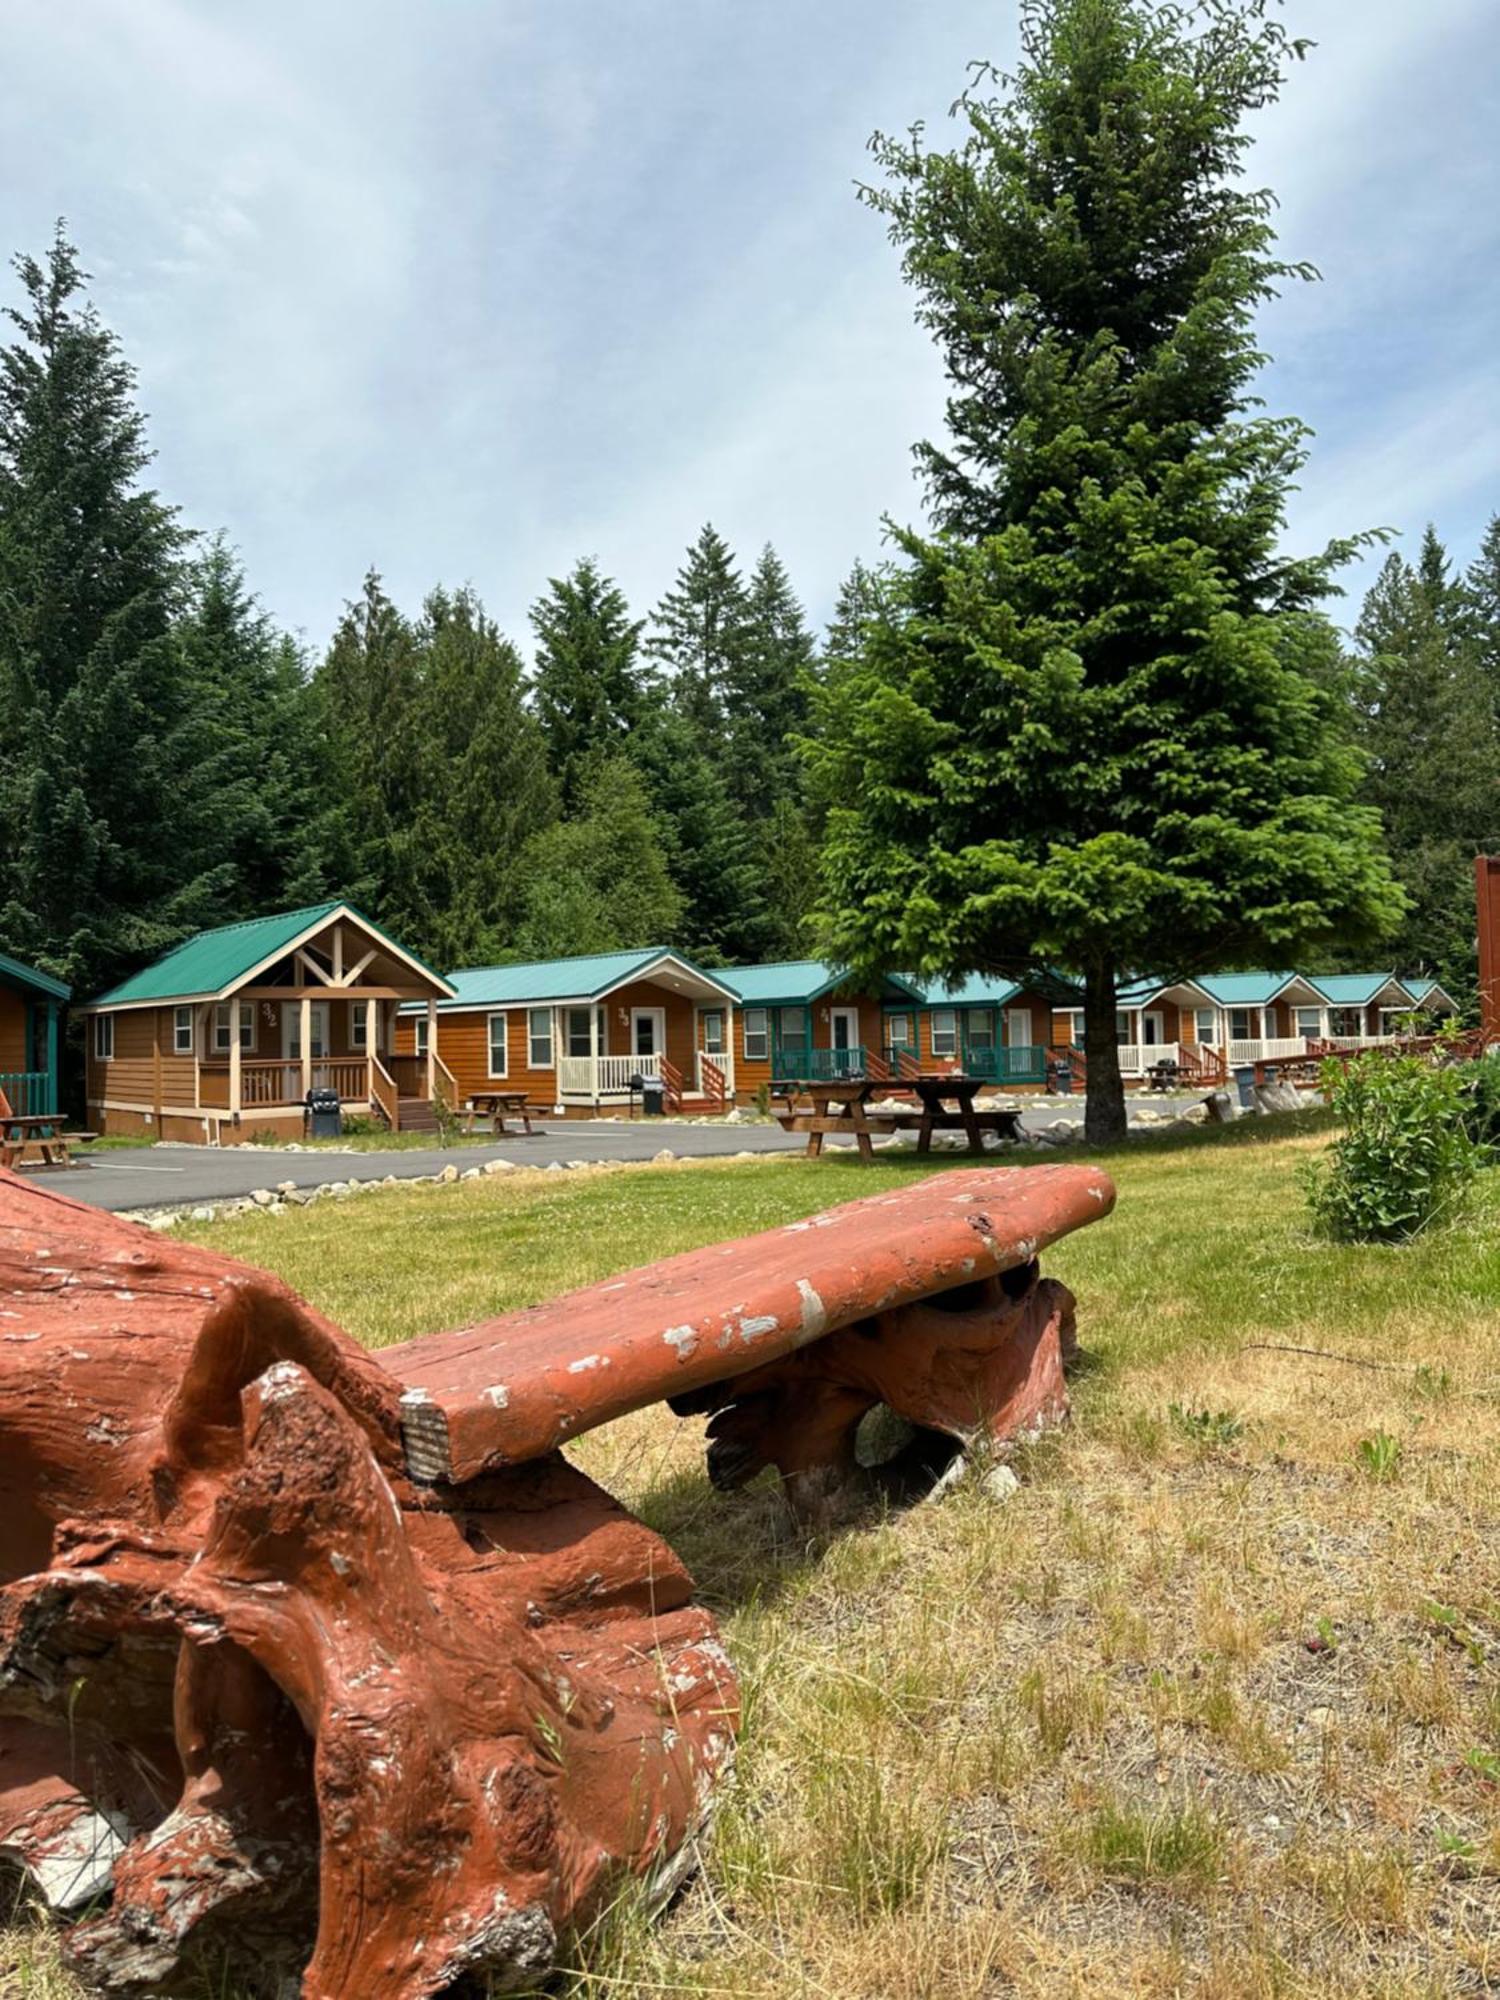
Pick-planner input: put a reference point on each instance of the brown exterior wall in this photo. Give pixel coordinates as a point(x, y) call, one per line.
point(13, 1018)
point(136, 1074)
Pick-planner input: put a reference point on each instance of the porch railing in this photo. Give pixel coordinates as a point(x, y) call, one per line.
point(602, 1076)
point(818, 1065)
point(267, 1084)
point(29, 1091)
point(1013, 1064)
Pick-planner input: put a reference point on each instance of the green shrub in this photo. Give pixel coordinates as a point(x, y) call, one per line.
point(1481, 1091)
point(1405, 1158)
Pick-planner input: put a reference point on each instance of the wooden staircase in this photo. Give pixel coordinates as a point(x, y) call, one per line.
point(418, 1115)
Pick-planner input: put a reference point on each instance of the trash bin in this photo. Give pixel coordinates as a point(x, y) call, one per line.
point(324, 1114)
point(1062, 1078)
point(1244, 1083)
point(653, 1096)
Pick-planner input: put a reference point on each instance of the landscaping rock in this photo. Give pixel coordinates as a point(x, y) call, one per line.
point(262, 1197)
point(499, 1166)
point(449, 1173)
point(1001, 1483)
point(663, 1158)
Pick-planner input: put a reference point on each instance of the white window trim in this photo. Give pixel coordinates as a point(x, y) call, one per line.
point(945, 1039)
point(104, 1037)
point(904, 1039)
point(419, 1040)
point(984, 1019)
point(535, 1041)
point(705, 1015)
point(177, 1031)
point(796, 1015)
point(358, 1021)
point(489, 1044)
point(760, 1035)
point(222, 1019)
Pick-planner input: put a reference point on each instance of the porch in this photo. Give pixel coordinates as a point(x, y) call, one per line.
point(31, 1093)
point(614, 1080)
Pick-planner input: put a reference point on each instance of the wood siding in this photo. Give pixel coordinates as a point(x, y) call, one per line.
point(14, 1010)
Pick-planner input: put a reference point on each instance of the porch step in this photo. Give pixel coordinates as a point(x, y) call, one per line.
point(417, 1115)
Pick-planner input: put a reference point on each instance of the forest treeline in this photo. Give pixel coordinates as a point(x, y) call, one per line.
point(170, 759)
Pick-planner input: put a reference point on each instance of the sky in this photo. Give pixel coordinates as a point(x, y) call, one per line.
point(468, 289)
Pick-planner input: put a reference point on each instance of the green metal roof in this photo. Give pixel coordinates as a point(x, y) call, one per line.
point(1356, 989)
point(980, 989)
point(550, 979)
point(799, 981)
point(14, 973)
point(216, 959)
point(1252, 989)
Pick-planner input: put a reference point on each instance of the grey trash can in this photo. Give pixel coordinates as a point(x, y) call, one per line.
point(325, 1118)
point(1244, 1083)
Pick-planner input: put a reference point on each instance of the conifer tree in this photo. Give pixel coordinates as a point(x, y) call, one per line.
point(485, 790)
point(588, 681)
point(599, 881)
point(863, 597)
point(1085, 737)
point(1429, 733)
point(699, 634)
point(101, 859)
point(767, 687)
point(711, 848)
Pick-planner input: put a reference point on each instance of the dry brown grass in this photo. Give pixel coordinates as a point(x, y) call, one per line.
point(1209, 1709)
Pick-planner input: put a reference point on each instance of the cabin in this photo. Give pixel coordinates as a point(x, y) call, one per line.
point(220, 1040)
point(31, 1006)
point(1156, 1021)
point(579, 1035)
point(1432, 1001)
point(998, 1029)
point(1264, 1016)
point(1364, 1008)
point(803, 1020)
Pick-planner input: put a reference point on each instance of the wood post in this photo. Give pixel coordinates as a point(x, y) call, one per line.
point(594, 1054)
point(234, 1059)
point(305, 1043)
point(372, 1045)
point(432, 1020)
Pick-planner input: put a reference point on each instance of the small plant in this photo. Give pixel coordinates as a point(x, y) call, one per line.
point(1433, 1383)
point(1171, 1844)
point(1480, 1087)
point(1213, 1429)
point(1379, 1455)
point(1325, 1638)
point(763, 1099)
point(1405, 1159)
point(448, 1123)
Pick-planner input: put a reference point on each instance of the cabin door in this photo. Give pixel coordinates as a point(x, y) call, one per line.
point(648, 1031)
point(291, 1029)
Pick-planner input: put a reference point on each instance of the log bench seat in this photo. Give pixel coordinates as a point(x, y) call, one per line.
point(927, 1298)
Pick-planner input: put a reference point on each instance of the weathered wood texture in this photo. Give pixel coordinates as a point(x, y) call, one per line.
point(302, 1709)
point(510, 1388)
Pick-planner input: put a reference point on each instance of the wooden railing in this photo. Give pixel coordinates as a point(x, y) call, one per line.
point(671, 1076)
point(264, 1084)
point(713, 1082)
point(384, 1095)
point(29, 1092)
point(408, 1074)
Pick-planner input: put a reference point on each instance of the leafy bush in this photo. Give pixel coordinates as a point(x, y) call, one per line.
point(1405, 1158)
point(1481, 1090)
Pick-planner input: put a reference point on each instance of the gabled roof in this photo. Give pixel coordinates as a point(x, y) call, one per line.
point(799, 981)
point(215, 962)
point(1360, 989)
point(1255, 989)
point(550, 980)
point(1181, 992)
point(980, 989)
point(14, 973)
point(1425, 991)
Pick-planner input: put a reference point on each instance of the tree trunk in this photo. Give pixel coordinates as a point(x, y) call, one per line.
point(1104, 1117)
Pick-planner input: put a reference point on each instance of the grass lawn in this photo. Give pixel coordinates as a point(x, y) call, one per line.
point(1211, 1708)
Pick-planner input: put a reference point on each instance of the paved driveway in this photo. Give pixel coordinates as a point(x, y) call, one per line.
point(169, 1176)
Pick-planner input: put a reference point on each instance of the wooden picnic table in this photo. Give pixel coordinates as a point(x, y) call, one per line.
point(35, 1139)
point(935, 1093)
point(497, 1106)
point(839, 1104)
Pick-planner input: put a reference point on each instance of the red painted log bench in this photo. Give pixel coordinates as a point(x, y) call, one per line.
point(332, 1662)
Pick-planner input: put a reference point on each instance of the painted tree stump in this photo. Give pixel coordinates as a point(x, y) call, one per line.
point(332, 1661)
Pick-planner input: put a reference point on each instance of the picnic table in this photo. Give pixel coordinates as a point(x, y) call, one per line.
point(844, 1105)
point(497, 1106)
point(34, 1138)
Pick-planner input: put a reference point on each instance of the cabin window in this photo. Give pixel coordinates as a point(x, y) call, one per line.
point(791, 1028)
point(104, 1036)
point(221, 1026)
point(499, 1025)
point(1123, 1029)
point(358, 1022)
point(1308, 1022)
point(1205, 1024)
point(182, 1031)
point(1072, 1026)
point(1345, 1021)
point(757, 1034)
point(713, 1031)
point(898, 1030)
point(1391, 1019)
point(579, 1043)
point(945, 1031)
point(1244, 1024)
point(420, 1040)
point(981, 1026)
point(539, 1037)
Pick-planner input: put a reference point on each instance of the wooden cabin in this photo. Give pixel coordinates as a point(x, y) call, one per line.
point(574, 1033)
point(220, 1040)
point(801, 1020)
point(1364, 1008)
point(999, 1029)
point(31, 1008)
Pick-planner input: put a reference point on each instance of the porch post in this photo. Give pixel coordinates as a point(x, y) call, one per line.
point(594, 1053)
point(305, 1015)
point(53, 1096)
point(432, 1019)
point(234, 1058)
point(372, 1044)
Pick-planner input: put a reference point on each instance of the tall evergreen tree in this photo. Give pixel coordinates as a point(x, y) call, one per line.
point(485, 791)
point(588, 681)
point(1429, 732)
point(863, 597)
point(767, 687)
point(710, 846)
point(599, 881)
point(1481, 590)
point(101, 861)
point(700, 632)
point(1086, 738)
